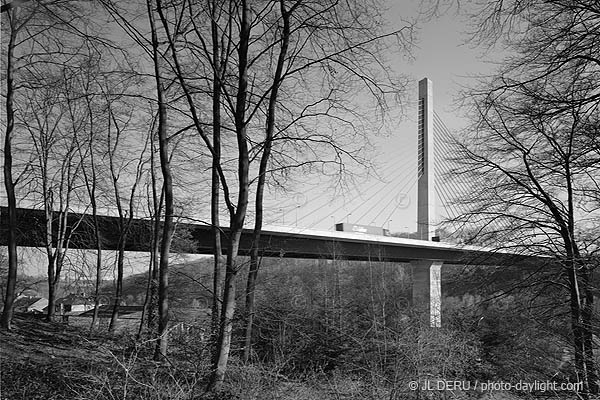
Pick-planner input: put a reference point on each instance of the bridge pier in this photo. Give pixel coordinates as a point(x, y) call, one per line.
point(427, 290)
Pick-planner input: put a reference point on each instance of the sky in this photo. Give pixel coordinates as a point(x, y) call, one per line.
point(441, 56)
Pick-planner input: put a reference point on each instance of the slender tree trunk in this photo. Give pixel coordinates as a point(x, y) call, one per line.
point(125, 217)
point(584, 340)
point(260, 188)
point(153, 306)
point(57, 243)
point(588, 336)
point(51, 267)
point(123, 229)
point(119, 288)
point(148, 313)
point(217, 254)
point(151, 302)
point(227, 314)
point(165, 245)
point(148, 318)
point(90, 185)
point(215, 182)
point(111, 150)
point(49, 252)
point(145, 307)
point(576, 324)
point(9, 184)
point(56, 254)
point(583, 328)
point(581, 305)
point(237, 218)
point(95, 322)
point(51, 292)
point(154, 268)
point(168, 227)
point(250, 297)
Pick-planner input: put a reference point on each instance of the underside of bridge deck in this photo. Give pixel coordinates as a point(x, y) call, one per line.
point(292, 242)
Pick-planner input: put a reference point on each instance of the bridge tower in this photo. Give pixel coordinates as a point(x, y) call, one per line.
point(426, 274)
point(425, 163)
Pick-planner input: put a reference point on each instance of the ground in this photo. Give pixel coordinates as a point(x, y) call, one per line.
point(40, 360)
point(52, 361)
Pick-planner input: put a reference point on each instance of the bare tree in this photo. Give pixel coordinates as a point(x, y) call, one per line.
point(14, 27)
point(218, 67)
point(537, 160)
point(262, 173)
point(120, 137)
point(91, 181)
point(47, 44)
point(232, 62)
point(155, 200)
point(165, 164)
point(252, 43)
point(544, 40)
point(343, 64)
point(536, 120)
point(54, 122)
point(149, 42)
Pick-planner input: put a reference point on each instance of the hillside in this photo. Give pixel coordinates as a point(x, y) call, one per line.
point(323, 330)
point(190, 285)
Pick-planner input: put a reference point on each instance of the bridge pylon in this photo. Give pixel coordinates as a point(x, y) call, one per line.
point(426, 273)
point(425, 163)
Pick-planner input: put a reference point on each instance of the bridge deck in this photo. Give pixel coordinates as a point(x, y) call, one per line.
point(275, 242)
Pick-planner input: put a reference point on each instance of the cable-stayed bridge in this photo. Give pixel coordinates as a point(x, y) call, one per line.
point(409, 193)
point(425, 254)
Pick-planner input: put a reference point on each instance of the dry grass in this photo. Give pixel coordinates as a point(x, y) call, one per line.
point(53, 361)
point(41, 360)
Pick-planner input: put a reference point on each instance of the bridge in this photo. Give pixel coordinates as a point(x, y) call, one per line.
point(425, 255)
point(276, 241)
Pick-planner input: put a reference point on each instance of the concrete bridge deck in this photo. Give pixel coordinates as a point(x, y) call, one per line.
point(275, 241)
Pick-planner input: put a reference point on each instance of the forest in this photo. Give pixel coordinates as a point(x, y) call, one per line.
point(199, 111)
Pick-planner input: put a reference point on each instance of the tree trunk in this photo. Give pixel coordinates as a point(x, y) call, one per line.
point(581, 303)
point(260, 188)
point(587, 298)
point(9, 185)
point(168, 228)
point(226, 323)
point(119, 289)
point(215, 183)
point(51, 293)
point(56, 245)
point(148, 318)
point(163, 283)
point(154, 267)
point(151, 301)
point(250, 300)
point(95, 322)
point(238, 217)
